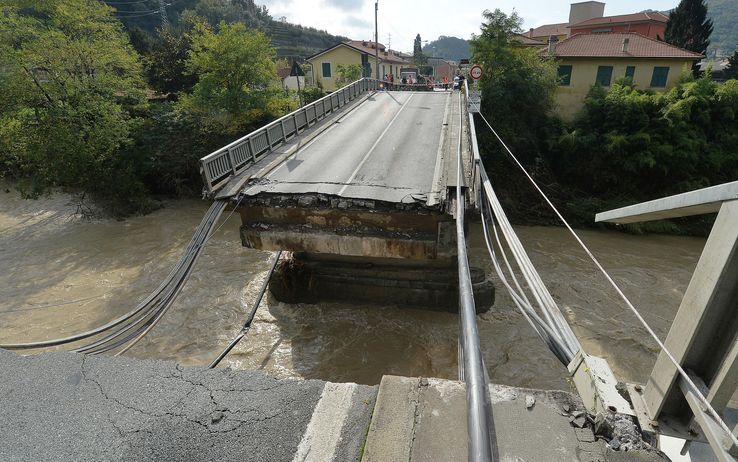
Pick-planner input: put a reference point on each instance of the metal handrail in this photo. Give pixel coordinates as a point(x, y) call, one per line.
point(218, 167)
point(473, 372)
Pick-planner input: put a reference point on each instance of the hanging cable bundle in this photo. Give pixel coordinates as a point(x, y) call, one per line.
point(134, 325)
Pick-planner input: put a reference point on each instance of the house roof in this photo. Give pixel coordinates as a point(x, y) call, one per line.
point(525, 40)
point(653, 16)
point(384, 55)
point(284, 73)
point(358, 45)
point(549, 29)
point(610, 45)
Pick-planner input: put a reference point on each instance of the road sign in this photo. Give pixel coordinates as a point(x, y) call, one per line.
point(475, 72)
point(474, 100)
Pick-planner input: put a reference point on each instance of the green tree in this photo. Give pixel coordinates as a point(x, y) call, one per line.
point(689, 27)
point(418, 57)
point(348, 74)
point(517, 85)
point(237, 81)
point(731, 71)
point(165, 65)
point(71, 86)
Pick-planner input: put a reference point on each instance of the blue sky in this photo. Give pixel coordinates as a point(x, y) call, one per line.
point(405, 18)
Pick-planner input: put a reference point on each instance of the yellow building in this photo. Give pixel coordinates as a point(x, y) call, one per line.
point(325, 63)
point(601, 59)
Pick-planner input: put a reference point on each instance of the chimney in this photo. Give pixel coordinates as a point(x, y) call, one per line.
point(530, 33)
point(626, 42)
point(552, 39)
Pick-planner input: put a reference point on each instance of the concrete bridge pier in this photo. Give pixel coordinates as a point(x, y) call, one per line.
point(311, 278)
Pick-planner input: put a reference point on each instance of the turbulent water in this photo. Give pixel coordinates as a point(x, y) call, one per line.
point(62, 274)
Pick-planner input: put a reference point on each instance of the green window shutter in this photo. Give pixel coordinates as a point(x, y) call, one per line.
point(660, 76)
point(630, 71)
point(604, 75)
point(326, 67)
point(565, 75)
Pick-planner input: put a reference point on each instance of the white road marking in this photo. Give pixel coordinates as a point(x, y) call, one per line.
point(376, 143)
point(323, 433)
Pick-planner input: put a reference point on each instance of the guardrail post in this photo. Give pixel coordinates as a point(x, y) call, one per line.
point(232, 160)
point(269, 138)
point(284, 133)
point(251, 149)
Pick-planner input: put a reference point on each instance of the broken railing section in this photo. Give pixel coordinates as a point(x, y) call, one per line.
point(702, 338)
point(218, 167)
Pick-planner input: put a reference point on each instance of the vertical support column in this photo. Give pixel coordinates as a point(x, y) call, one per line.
point(702, 333)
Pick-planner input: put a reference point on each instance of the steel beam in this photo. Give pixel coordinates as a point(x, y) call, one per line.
point(704, 328)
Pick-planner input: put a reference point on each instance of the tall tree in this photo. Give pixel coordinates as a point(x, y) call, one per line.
point(689, 27)
point(731, 72)
point(418, 56)
point(237, 80)
point(71, 85)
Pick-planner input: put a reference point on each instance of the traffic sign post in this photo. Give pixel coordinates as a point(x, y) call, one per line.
point(476, 72)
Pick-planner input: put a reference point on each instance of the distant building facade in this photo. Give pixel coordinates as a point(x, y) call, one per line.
point(648, 24)
point(586, 60)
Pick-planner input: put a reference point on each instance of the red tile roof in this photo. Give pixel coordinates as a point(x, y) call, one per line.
point(384, 55)
point(654, 16)
point(284, 73)
point(611, 46)
point(549, 29)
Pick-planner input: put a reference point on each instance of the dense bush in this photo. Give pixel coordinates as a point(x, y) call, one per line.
point(628, 145)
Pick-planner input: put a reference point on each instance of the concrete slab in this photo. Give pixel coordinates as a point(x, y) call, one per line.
point(529, 425)
point(67, 407)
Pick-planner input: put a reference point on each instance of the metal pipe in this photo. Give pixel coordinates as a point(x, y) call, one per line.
point(480, 445)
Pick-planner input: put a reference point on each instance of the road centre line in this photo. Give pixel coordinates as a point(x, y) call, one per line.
point(374, 146)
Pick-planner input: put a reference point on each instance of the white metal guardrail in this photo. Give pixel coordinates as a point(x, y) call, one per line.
point(218, 167)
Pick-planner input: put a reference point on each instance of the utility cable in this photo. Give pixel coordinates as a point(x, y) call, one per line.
point(250, 318)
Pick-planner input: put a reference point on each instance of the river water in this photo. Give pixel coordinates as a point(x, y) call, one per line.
point(62, 274)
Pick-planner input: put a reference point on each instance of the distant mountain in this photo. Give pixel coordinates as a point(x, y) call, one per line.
point(450, 48)
point(290, 40)
point(724, 14)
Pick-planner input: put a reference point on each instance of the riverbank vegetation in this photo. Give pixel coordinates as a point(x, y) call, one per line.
point(86, 110)
point(625, 146)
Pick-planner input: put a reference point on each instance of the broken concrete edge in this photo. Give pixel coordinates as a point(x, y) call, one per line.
point(412, 202)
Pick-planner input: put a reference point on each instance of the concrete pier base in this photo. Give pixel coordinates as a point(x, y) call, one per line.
point(312, 278)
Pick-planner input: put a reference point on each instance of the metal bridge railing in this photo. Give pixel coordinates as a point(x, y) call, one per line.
point(218, 167)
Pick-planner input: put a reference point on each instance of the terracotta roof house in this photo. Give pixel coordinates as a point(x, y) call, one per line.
point(542, 33)
point(600, 59)
point(362, 52)
point(649, 24)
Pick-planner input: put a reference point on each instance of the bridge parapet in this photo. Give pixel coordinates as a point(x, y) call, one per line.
point(218, 167)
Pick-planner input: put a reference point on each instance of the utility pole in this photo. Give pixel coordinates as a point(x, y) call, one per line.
point(163, 14)
point(376, 38)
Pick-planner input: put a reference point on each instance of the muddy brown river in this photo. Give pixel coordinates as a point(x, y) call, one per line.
point(62, 274)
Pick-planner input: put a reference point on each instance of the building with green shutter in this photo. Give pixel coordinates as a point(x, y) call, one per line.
point(601, 59)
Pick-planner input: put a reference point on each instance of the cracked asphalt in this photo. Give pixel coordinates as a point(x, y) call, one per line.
point(67, 407)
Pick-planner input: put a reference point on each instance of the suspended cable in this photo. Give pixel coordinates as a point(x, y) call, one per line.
point(250, 318)
point(621, 294)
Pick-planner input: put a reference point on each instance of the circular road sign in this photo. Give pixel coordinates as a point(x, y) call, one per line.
point(475, 72)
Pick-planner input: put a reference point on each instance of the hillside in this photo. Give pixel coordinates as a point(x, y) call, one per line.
point(724, 15)
point(290, 40)
point(450, 48)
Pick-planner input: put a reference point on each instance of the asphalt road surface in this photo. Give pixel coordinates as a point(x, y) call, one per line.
point(384, 149)
point(69, 407)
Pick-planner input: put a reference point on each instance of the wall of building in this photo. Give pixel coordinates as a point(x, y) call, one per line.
point(583, 11)
point(570, 99)
point(341, 55)
point(654, 30)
